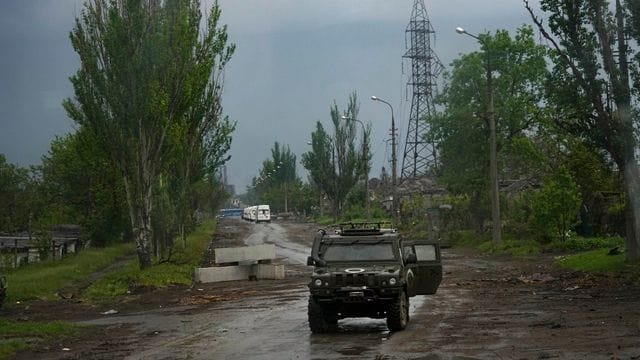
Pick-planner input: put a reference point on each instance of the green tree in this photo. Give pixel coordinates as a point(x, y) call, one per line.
point(143, 64)
point(81, 186)
point(590, 89)
point(19, 197)
point(461, 129)
point(278, 177)
point(335, 162)
point(201, 138)
point(556, 206)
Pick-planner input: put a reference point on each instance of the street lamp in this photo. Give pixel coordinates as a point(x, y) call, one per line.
point(366, 166)
point(493, 161)
point(394, 207)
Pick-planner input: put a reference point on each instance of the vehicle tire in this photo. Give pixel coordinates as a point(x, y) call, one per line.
point(321, 320)
point(398, 316)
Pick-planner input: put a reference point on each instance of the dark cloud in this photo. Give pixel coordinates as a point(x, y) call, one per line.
point(293, 59)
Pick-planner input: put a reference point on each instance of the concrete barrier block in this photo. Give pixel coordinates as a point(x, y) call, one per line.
point(269, 271)
point(223, 273)
point(239, 272)
point(245, 253)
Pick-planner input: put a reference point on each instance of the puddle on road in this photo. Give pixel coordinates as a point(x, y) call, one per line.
point(356, 350)
point(276, 234)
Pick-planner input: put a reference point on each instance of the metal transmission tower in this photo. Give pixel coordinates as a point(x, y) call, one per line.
point(420, 154)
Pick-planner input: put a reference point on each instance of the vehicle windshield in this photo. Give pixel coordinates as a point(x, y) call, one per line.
point(359, 252)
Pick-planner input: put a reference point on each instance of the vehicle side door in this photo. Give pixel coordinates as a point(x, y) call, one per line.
point(427, 270)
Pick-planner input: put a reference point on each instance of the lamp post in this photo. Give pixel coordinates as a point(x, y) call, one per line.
point(394, 207)
point(366, 166)
point(493, 161)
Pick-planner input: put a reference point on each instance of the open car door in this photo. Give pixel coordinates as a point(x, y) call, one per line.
point(428, 267)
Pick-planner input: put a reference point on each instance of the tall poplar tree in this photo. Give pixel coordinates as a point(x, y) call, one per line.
point(146, 69)
point(337, 162)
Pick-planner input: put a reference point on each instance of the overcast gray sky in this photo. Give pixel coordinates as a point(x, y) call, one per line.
point(293, 59)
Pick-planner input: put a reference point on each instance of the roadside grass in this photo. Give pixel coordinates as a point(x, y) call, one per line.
point(21, 335)
point(44, 279)
point(525, 247)
point(178, 271)
point(324, 220)
point(594, 261)
point(510, 246)
point(594, 255)
point(604, 262)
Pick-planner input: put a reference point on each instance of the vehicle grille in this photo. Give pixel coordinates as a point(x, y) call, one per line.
point(355, 280)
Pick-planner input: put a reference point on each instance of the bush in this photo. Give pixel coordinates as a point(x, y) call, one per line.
point(582, 244)
point(511, 247)
point(462, 238)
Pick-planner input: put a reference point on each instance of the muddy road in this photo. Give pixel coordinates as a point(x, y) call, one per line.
point(486, 308)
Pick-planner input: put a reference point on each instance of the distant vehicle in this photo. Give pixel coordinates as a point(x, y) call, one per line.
point(369, 271)
point(249, 213)
point(263, 213)
point(230, 212)
point(257, 213)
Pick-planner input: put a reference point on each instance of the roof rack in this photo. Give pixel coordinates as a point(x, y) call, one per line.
point(364, 228)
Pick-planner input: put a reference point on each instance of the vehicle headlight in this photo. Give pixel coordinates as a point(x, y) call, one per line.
point(392, 281)
point(318, 282)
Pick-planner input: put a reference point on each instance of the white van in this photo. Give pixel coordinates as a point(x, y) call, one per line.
point(264, 213)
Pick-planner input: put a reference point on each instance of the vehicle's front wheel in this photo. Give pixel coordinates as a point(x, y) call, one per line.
point(321, 320)
point(398, 316)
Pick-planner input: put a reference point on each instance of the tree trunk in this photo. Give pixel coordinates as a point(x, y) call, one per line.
point(632, 210)
point(477, 219)
point(142, 247)
point(140, 217)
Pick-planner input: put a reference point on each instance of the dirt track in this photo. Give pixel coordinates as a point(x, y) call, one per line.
point(486, 308)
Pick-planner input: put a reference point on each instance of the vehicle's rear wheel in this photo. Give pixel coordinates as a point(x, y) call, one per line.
point(398, 316)
point(321, 320)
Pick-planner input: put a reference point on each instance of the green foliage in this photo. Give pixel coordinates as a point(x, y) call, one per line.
point(335, 163)
point(18, 196)
point(577, 243)
point(514, 247)
point(43, 330)
point(43, 244)
point(177, 271)
point(44, 279)
point(518, 71)
point(277, 182)
point(556, 206)
point(589, 87)
point(463, 238)
point(594, 261)
point(149, 92)
point(80, 186)
point(324, 220)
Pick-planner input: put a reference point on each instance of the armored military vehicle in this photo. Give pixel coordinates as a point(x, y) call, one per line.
point(366, 270)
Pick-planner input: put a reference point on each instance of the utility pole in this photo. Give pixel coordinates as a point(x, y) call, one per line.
point(496, 229)
point(394, 160)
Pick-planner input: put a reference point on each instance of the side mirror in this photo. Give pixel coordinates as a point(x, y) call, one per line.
point(310, 261)
point(411, 259)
